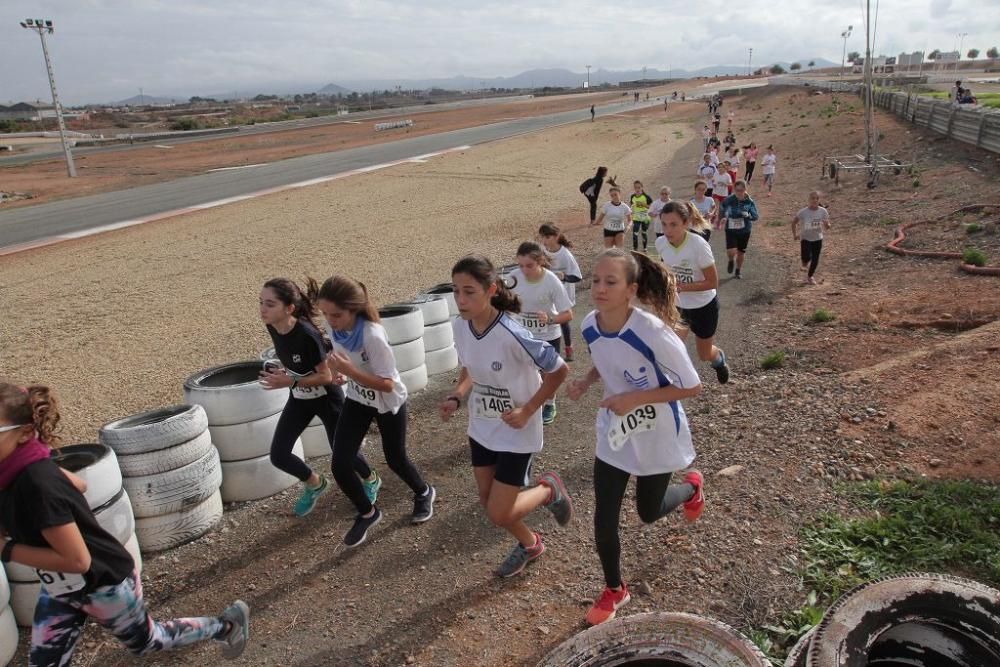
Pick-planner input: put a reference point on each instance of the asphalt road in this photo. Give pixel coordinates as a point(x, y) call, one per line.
point(66, 217)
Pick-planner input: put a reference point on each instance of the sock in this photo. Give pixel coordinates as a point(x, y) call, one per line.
point(719, 360)
point(370, 514)
point(372, 477)
point(426, 491)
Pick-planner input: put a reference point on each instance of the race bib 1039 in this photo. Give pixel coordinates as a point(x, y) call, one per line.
point(623, 427)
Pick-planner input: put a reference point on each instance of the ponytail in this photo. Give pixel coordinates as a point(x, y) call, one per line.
point(481, 269)
point(346, 293)
point(548, 229)
point(657, 285)
point(33, 405)
point(291, 294)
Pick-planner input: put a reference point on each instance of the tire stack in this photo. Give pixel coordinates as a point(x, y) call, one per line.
point(242, 416)
point(447, 292)
point(8, 626)
point(404, 327)
point(171, 473)
point(440, 355)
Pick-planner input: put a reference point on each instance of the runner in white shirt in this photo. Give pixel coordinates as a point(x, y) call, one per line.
point(706, 205)
point(814, 219)
point(506, 376)
point(363, 361)
point(641, 427)
point(564, 265)
point(544, 303)
point(616, 217)
point(768, 163)
point(707, 171)
point(656, 207)
point(690, 257)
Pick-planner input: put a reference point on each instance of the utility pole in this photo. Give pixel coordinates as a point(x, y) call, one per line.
point(142, 99)
point(588, 76)
point(961, 38)
point(749, 58)
point(843, 57)
point(43, 26)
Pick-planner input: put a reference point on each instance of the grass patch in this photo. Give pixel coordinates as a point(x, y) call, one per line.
point(774, 223)
point(821, 315)
point(972, 228)
point(916, 182)
point(775, 359)
point(678, 134)
point(888, 222)
point(991, 100)
point(974, 256)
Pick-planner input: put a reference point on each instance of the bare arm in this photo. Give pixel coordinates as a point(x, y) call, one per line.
point(711, 281)
point(625, 403)
point(67, 551)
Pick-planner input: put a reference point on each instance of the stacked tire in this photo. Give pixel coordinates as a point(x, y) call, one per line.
point(241, 417)
point(447, 292)
point(8, 626)
point(404, 327)
point(171, 473)
point(440, 355)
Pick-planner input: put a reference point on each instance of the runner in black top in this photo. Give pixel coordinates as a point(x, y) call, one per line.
point(591, 189)
point(84, 571)
point(302, 350)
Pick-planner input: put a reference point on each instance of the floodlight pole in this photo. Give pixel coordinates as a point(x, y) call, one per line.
point(588, 77)
point(843, 57)
point(41, 27)
point(749, 58)
point(961, 40)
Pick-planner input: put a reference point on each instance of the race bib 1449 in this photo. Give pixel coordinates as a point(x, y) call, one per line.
point(364, 395)
point(623, 427)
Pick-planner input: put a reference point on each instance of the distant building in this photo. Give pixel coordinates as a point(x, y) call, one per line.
point(948, 57)
point(26, 112)
point(910, 59)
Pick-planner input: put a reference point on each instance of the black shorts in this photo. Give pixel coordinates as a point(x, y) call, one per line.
point(703, 321)
point(512, 468)
point(738, 240)
point(611, 233)
point(708, 192)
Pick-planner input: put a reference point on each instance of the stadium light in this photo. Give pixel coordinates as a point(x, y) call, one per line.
point(42, 27)
point(843, 57)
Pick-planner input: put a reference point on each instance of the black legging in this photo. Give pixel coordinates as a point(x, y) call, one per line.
point(354, 422)
point(295, 418)
point(654, 499)
point(810, 254)
point(567, 333)
point(593, 206)
point(749, 174)
point(641, 226)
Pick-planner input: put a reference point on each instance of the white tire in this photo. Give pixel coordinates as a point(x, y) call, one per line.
point(414, 380)
point(23, 598)
point(8, 635)
point(163, 460)
point(232, 393)
point(117, 518)
point(447, 290)
point(96, 465)
point(17, 573)
point(132, 546)
point(170, 530)
point(315, 441)
point(442, 361)
point(434, 308)
point(255, 478)
point(268, 354)
point(172, 491)
point(408, 355)
point(438, 337)
point(402, 323)
point(4, 589)
point(250, 440)
point(154, 430)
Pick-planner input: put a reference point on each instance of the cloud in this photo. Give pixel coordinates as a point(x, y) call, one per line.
point(939, 8)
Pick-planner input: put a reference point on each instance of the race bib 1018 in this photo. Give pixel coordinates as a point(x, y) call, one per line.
point(623, 427)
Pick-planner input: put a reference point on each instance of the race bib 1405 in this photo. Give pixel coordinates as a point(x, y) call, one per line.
point(490, 403)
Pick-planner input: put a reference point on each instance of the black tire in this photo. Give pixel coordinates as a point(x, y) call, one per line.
point(926, 645)
point(154, 430)
point(963, 608)
point(676, 639)
point(797, 654)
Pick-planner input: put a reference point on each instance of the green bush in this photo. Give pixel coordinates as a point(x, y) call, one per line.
point(974, 256)
point(185, 125)
point(773, 360)
point(821, 315)
point(916, 182)
point(972, 228)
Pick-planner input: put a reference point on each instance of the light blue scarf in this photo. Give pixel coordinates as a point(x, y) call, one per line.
point(351, 340)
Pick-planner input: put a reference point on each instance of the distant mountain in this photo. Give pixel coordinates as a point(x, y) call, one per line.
point(138, 100)
point(333, 89)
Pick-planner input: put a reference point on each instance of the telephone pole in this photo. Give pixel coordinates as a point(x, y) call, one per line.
point(43, 26)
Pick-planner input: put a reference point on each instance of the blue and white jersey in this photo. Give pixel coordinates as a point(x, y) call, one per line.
point(645, 354)
point(505, 364)
point(374, 357)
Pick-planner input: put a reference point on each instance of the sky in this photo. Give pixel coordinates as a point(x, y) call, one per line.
point(106, 50)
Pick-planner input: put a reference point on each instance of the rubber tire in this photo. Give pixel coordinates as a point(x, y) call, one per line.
point(132, 546)
point(268, 354)
point(684, 638)
point(927, 645)
point(408, 355)
point(797, 654)
point(8, 635)
point(447, 290)
point(438, 337)
point(315, 441)
point(435, 308)
point(250, 440)
point(402, 323)
point(441, 361)
point(116, 517)
point(165, 460)
point(844, 636)
point(172, 491)
point(23, 599)
point(414, 380)
point(4, 589)
point(232, 393)
point(154, 430)
point(159, 533)
point(97, 466)
point(256, 478)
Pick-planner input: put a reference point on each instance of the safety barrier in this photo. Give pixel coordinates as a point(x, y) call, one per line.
point(392, 125)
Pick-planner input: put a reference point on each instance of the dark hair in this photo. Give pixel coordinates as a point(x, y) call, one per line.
point(347, 293)
point(688, 213)
point(548, 229)
point(290, 294)
point(657, 284)
point(34, 405)
point(601, 172)
point(535, 252)
point(481, 270)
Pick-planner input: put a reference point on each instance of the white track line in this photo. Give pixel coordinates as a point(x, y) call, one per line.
point(242, 166)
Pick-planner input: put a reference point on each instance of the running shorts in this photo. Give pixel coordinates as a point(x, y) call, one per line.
point(513, 468)
point(703, 321)
point(738, 240)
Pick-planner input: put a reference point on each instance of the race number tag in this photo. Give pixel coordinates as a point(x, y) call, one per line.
point(308, 392)
point(60, 583)
point(623, 427)
point(814, 225)
point(532, 323)
point(490, 402)
point(736, 223)
point(364, 395)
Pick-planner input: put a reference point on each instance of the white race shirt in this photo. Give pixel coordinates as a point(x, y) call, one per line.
point(645, 354)
point(504, 364)
point(545, 295)
point(768, 162)
point(723, 181)
point(614, 216)
point(562, 261)
point(704, 206)
point(374, 357)
point(688, 262)
point(707, 172)
point(812, 223)
point(654, 212)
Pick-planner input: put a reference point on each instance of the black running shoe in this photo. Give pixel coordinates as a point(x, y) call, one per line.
point(359, 531)
point(722, 373)
point(423, 505)
point(729, 267)
point(738, 276)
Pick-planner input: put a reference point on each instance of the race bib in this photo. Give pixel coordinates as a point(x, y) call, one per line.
point(61, 583)
point(814, 225)
point(736, 223)
point(490, 404)
point(364, 395)
point(623, 427)
point(531, 322)
point(308, 392)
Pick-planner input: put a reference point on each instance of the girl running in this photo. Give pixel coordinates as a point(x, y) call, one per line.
point(544, 304)
point(814, 219)
point(641, 427)
point(362, 357)
point(738, 212)
point(707, 171)
point(722, 186)
point(591, 189)
point(690, 257)
point(84, 571)
point(288, 315)
point(640, 202)
point(656, 207)
point(707, 207)
point(768, 161)
point(617, 218)
point(750, 153)
point(506, 376)
point(564, 265)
